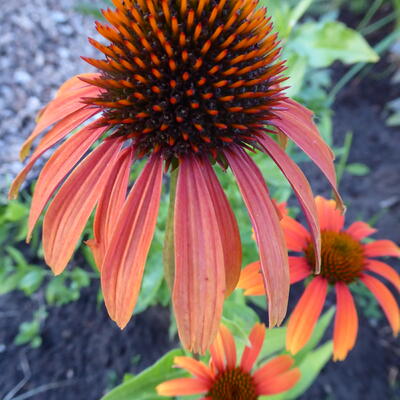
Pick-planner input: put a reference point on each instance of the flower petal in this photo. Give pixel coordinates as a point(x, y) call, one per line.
point(382, 248)
point(330, 218)
point(268, 232)
point(346, 323)
point(229, 230)
point(302, 189)
point(280, 383)
point(251, 280)
point(182, 387)
point(229, 346)
point(305, 315)
point(62, 129)
point(360, 230)
point(385, 299)
point(250, 353)
point(297, 123)
point(110, 205)
point(296, 236)
point(384, 270)
point(299, 269)
point(58, 167)
point(124, 261)
point(199, 285)
point(59, 108)
point(272, 368)
point(71, 207)
point(195, 367)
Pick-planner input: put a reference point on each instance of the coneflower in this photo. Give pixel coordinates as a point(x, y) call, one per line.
point(345, 260)
point(186, 85)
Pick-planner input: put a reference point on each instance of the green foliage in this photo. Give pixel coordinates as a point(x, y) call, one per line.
point(29, 332)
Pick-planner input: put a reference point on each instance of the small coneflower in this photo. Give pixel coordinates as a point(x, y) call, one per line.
point(345, 259)
point(185, 85)
point(225, 379)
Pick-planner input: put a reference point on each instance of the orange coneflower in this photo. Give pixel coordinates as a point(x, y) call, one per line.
point(345, 260)
point(223, 379)
point(183, 84)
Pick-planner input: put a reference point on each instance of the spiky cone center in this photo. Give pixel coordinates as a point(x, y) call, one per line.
point(342, 257)
point(185, 76)
point(233, 384)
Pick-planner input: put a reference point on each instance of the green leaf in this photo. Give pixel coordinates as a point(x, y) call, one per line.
point(274, 342)
point(142, 386)
point(298, 12)
point(31, 282)
point(15, 211)
point(357, 169)
point(325, 42)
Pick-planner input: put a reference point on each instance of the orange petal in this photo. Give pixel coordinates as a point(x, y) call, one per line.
point(229, 230)
point(251, 280)
point(58, 167)
point(384, 270)
point(268, 232)
point(360, 230)
point(297, 123)
point(250, 353)
point(195, 367)
point(382, 248)
point(58, 109)
point(330, 218)
point(299, 269)
point(276, 366)
point(280, 383)
point(70, 209)
point(182, 387)
point(110, 205)
point(199, 286)
point(297, 237)
point(305, 315)
point(217, 352)
point(62, 129)
point(346, 323)
point(75, 83)
point(302, 189)
point(385, 299)
point(124, 261)
point(229, 346)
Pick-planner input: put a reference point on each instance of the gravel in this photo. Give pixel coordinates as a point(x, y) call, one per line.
point(41, 42)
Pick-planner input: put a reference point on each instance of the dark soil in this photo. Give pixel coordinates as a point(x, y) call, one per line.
point(84, 354)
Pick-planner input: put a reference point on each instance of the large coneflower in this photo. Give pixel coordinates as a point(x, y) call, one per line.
point(184, 85)
point(224, 379)
point(345, 259)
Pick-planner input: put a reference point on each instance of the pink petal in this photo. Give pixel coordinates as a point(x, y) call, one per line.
point(330, 218)
point(297, 237)
point(199, 286)
point(360, 230)
point(382, 248)
point(68, 213)
point(385, 271)
point(250, 353)
point(124, 261)
point(299, 269)
point(268, 232)
point(302, 190)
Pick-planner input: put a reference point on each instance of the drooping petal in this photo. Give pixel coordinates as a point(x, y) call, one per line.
point(360, 230)
point(110, 205)
point(124, 261)
point(59, 108)
point(182, 387)
point(251, 280)
point(199, 286)
point(195, 367)
point(268, 232)
point(346, 323)
point(382, 248)
point(302, 189)
point(385, 299)
point(71, 207)
point(299, 269)
point(296, 236)
point(229, 230)
point(297, 123)
point(330, 218)
point(280, 383)
point(250, 353)
point(276, 366)
point(62, 129)
point(305, 315)
point(384, 270)
point(58, 167)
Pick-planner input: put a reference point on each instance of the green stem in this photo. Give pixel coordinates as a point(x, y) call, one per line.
point(348, 140)
point(370, 14)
